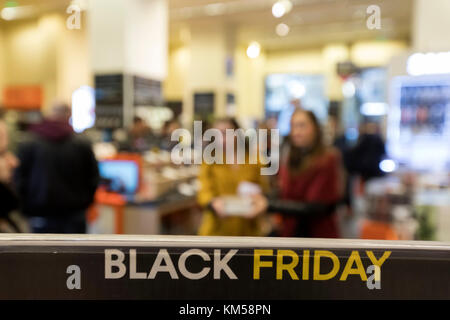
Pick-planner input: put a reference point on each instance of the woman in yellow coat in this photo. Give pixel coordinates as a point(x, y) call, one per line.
point(218, 181)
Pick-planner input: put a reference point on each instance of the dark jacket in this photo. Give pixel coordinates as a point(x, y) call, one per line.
point(364, 158)
point(58, 173)
point(8, 200)
point(9, 203)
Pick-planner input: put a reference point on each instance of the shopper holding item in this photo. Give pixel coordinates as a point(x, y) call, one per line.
point(309, 181)
point(227, 213)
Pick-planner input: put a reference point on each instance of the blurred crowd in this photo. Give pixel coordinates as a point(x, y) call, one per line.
point(52, 177)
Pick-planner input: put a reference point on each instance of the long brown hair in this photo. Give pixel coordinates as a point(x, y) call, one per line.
point(300, 158)
point(235, 126)
point(230, 120)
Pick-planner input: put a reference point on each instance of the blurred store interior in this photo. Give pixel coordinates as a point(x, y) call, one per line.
point(134, 71)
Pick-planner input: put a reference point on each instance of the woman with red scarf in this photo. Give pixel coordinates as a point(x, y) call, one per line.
point(309, 181)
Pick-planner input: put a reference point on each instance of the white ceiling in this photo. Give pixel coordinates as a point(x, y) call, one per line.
point(311, 22)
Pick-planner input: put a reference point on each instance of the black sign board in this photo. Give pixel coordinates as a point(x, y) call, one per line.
point(147, 92)
point(109, 90)
point(204, 105)
point(109, 98)
point(115, 267)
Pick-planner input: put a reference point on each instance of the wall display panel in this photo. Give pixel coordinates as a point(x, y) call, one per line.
point(419, 122)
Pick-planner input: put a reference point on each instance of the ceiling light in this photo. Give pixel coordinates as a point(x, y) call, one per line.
point(253, 50)
point(278, 9)
point(282, 29)
point(287, 5)
point(8, 13)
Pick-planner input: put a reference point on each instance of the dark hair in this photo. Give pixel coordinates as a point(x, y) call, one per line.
point(137, 119)
point(235, 126)
point(167, 123)
point(231, 120)
point(299, 157)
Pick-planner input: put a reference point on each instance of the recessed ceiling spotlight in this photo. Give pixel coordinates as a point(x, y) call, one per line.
point(281, 7)
point(278, 10)
point(287, 5)
point(282, 29)
point(253, 50)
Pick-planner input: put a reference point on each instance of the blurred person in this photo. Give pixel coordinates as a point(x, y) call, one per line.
point(220, 180)
point(339, 141)
point(364, 158)
point(268, 125)
point(139, 128)
point(120, 140)
point(8, 199)
point(335, 135)
point(271, 122)
point(309, 183)
point(286, 114)
point(140, 135)
point(169, 126)
point(57, 176)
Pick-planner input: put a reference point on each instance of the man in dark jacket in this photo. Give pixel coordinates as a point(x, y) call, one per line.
point(57, 176)
point(365, 157)
point(8, 162)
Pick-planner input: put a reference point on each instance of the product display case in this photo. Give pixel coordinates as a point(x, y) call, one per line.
point(419, 122)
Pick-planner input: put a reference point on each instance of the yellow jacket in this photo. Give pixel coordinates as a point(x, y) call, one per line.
point(224, 179)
